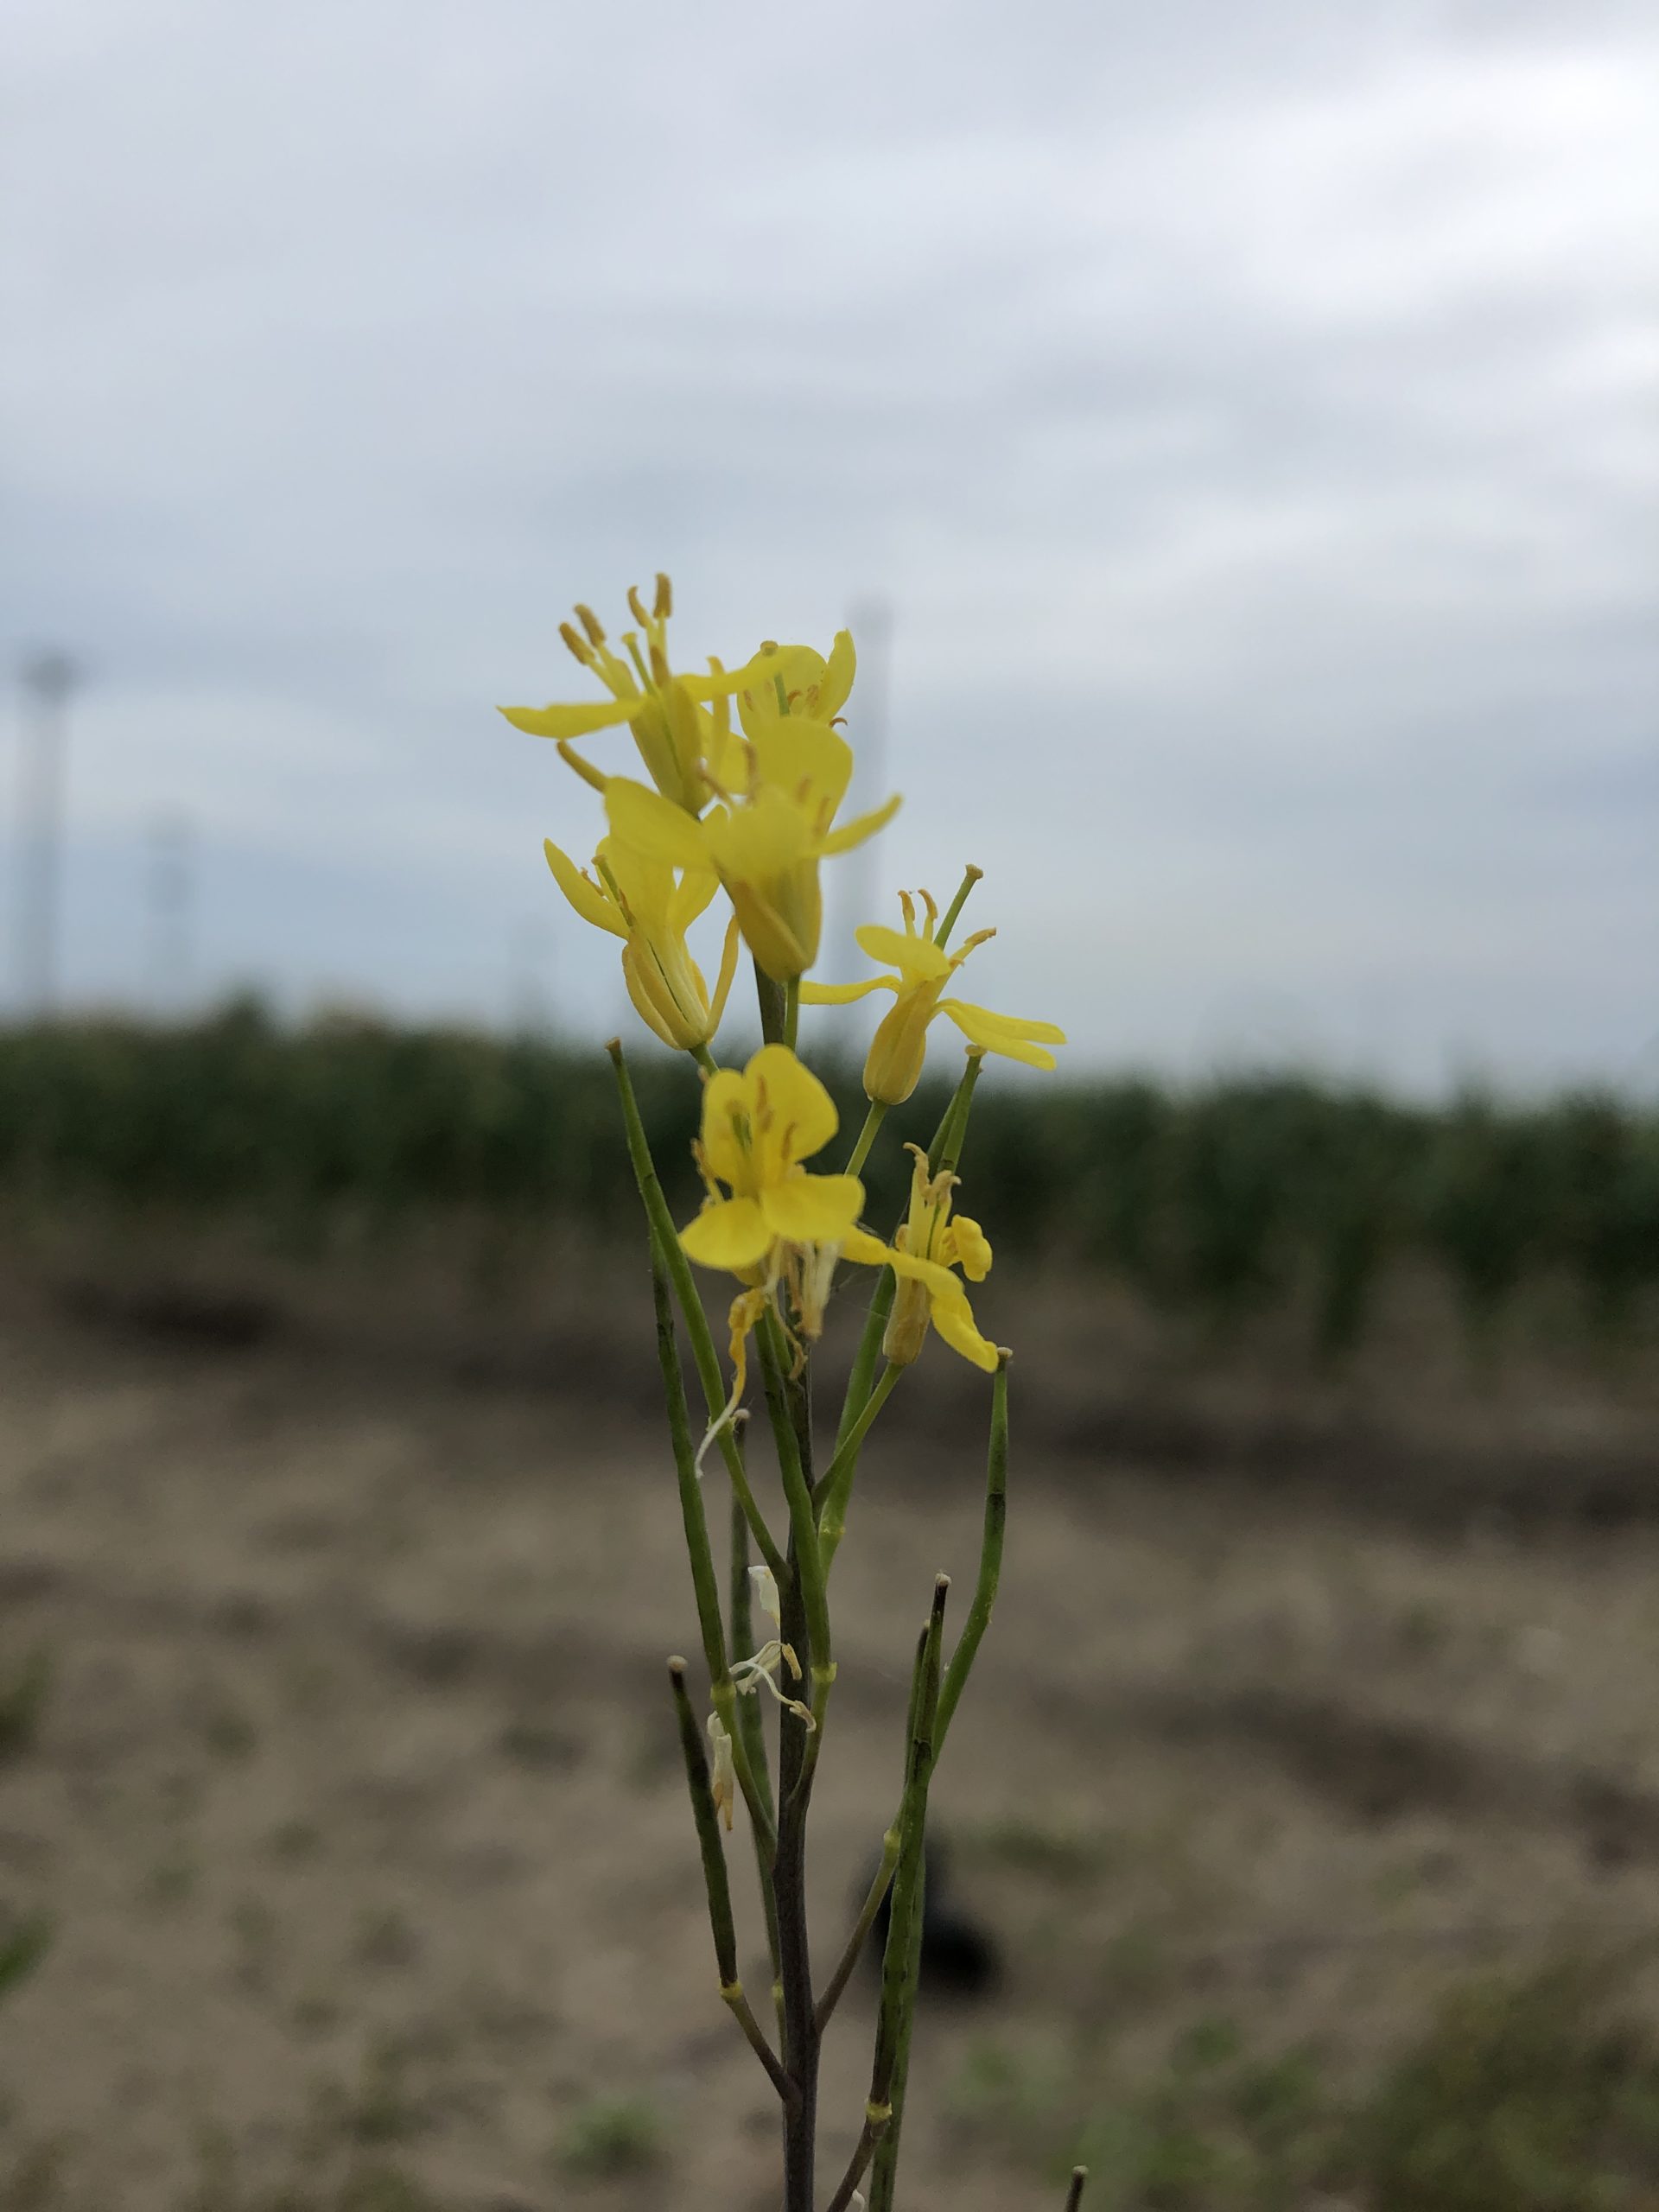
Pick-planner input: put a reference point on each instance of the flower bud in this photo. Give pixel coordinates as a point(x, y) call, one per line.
point(894, 1067)
point(907, 1325)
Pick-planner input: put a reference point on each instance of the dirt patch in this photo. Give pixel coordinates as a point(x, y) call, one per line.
point(355, 1803)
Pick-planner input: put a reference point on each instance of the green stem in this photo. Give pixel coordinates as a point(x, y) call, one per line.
point(797, 1748)
point(791, 1010)
point(697, 1321)
point(805, 1609)
point(876, 2123)
point(862, 1927)
point(861, 1379)
point(990, 1554)
point(837, 1487)
point(704, 1581)
point(901, 1962)
point(715, 1883)
point(708, 1820)
point(666, 1245)
point(769, 997)
point(979, 1615)
point(794, 1464)
point(861, 1151)
point(759, 1807)
point(749, 1752)
point(969, 879)
point(1074, 2195)
point(946, 1148)
point(742, 1642)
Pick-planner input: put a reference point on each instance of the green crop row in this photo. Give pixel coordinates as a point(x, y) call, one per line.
point(1223, 1198)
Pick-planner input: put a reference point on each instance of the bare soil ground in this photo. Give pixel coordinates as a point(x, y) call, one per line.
point(356, 1802)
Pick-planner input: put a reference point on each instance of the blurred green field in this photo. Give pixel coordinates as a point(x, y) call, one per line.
point(1240, 1195)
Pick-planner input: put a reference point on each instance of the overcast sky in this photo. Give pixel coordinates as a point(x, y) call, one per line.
point(1247, 415)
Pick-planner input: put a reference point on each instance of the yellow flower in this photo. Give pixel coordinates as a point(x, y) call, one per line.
point(795, 680)
point(638, 899)
point(765, 843)
point(930, 1245)
point(894, 1064)
point(757, 1129)
point(774, 1223)
point(688, 752)
point(674, 732)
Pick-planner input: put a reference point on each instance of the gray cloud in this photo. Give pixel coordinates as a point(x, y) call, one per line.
point(1246, 412)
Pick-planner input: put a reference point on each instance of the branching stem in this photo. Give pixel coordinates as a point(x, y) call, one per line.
point(697, 1321)
point(861, 1151)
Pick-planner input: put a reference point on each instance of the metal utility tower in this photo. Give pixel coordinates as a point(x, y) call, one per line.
point(48, 679)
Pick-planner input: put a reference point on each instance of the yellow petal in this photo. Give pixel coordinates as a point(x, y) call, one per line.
point(953, 1317)
point(587, 898)
point(970, 1246)
point(570, 721)
point(590, 775)
point(806, 759)
point(637, 975)
point(1008, 1025)
point(721, 683)
point(940, 1282)
point(728, 1117)
point(919, 960)
point(784, 945)
point(723, 982)
point(844, 993)
point(755, 842)
point(652, 825)
point(997, 1032)
point(868, 1251)
point(812, 1209)
point(728, 1233)
point(860, 827)
point(647, 884)
point(838, 674)
point(691, 896)
point(801, 671)
point(802, 1113)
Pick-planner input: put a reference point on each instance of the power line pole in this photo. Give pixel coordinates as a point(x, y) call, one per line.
point(855, 875)
point(533, 963)
point(48, 678)
point(172, 902)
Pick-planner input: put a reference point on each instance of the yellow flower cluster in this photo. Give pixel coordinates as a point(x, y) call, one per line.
point(751, 808)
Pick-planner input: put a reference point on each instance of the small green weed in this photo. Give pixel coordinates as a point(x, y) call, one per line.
point(33, 2185)
point(1541, 2091)
point(1063, 1854)
point(228, 1733)
point(24, 1943)
point(609, 2136)
point(383, 2110)
point(24, 1696)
